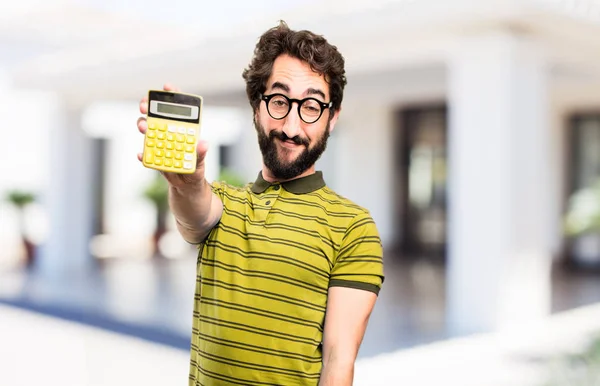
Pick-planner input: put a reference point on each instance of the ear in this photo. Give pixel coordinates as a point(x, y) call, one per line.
point(256, 111)
point(334, 119)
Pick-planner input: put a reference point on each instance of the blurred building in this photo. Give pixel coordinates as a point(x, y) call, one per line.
point(466, 127)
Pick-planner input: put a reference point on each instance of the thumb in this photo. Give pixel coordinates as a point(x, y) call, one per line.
point(202, 148)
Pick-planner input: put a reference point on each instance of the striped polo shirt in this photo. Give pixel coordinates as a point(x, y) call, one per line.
point(263, 275)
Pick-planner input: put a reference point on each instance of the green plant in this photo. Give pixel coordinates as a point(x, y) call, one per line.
point(583, 214)
point(230, 177)
point(20, 199)
point(157, 192)
point(579, 369)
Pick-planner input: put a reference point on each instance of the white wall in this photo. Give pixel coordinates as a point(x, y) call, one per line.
point(364, 163)
point(23, 166)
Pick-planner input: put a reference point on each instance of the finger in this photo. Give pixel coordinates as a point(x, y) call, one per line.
point(170, 87)
point(142, 125)
point(139, 157)
point(201, 149)
point(144, 105)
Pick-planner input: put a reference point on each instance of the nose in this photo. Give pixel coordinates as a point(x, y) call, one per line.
point(291, 124)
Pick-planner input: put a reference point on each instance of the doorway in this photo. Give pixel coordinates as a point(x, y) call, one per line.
point(421, 167)
point(583, 250)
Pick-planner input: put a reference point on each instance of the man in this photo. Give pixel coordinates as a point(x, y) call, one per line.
point(288, 271)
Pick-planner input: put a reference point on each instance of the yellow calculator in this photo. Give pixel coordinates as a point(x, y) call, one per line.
point(174, 121)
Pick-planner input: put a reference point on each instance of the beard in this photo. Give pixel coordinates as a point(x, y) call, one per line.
point(286, 170)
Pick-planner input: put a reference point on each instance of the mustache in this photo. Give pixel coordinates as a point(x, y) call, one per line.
point(283, 137)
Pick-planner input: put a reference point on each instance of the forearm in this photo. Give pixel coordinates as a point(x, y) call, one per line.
point(191, 207)
point(337, 373)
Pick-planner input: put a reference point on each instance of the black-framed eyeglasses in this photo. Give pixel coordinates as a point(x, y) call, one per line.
point(309, 109)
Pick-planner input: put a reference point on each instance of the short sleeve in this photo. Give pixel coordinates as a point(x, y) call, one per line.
point(359, 263)
point(217, 188)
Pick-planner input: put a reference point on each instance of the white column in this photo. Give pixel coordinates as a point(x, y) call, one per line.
point(365, 163)
point(499, 259)
point(69, 197)
point(9, 231)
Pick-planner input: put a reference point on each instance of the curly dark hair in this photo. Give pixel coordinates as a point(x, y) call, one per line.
point(323, 58)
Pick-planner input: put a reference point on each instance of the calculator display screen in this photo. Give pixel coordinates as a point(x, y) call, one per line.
point(173, 109)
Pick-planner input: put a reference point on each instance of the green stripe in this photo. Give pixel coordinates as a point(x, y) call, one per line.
point(266, 256)
point(256, 349)
point(254, 366)
point(307, 232)
point(321, 221)
point(258, 312)
point(273, 240)
point(245, 202)
point(237, 381)
point(328, 190)
point(193, 378)
point(264, 275)
point(361, 259)
point(360, 240)
point(359, 223)
point(254, 330)
point(336, 201)
point(277, 225)
point(261, 294)
point(354, 284)
point(299, 202)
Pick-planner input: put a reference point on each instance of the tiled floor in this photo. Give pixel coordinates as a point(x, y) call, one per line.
point(153, 300)
point(77, 355)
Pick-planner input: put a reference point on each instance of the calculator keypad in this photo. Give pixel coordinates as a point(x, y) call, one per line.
point(170, 147)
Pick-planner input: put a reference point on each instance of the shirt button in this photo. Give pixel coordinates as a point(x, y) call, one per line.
point(268, 203)
point(276, 187)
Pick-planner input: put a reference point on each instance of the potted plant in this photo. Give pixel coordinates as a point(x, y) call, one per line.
point(230, 177)
point(582, 225)
point(157, 192)
point(580, 368)
point(20, 199)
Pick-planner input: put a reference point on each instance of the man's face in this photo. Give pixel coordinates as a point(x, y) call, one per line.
point(291, 146)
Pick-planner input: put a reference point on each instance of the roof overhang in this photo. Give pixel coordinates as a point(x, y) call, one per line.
point(110, 60)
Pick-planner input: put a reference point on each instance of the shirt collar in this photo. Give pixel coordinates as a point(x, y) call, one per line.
point(303, 185)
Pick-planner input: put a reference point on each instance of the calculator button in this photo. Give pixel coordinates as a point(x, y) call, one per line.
point(179, 147)
point(160, 144)
point(168, 154)
point(181, 130)
point(191, 132)
point(148, 156)
point(177, 164)
point(161, 136)
point(168, 162)
point(151, 134)
point(191, 139)
point(172, 129)
point(188, 157)
point(178, 155)
point(162, 127)
point(189, 148)
point(159, 153)
point(180, 138)
point(169, 146)
point(187, 165)
point(150, 143)
point(158, 161)
point(151, 125)
point(170, 137)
